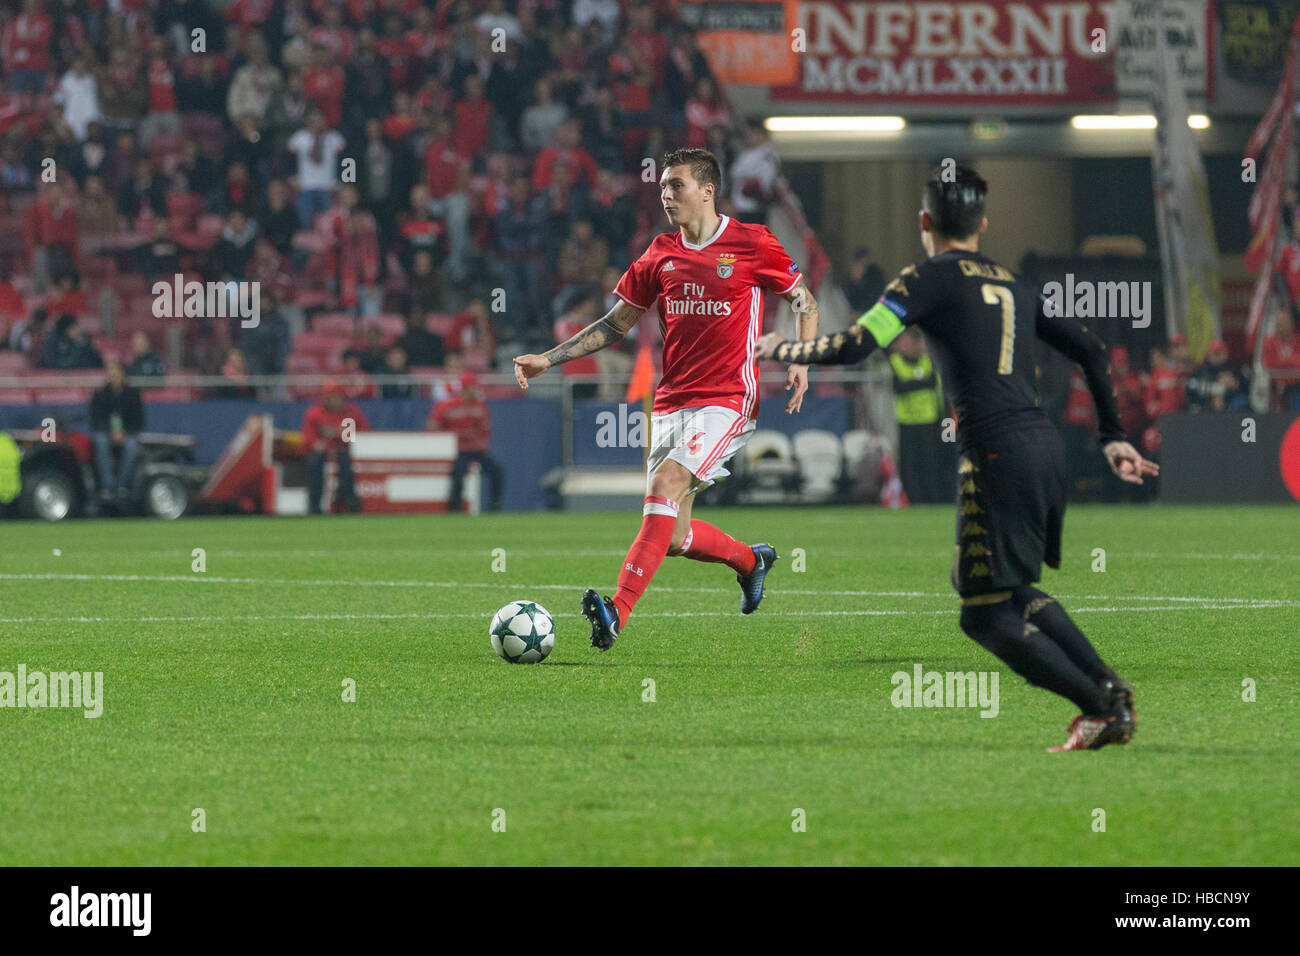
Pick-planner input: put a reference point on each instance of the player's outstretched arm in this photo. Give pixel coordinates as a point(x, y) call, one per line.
point(840, 348)
point(1073, 340)
point(808, 313)
point(606, 330)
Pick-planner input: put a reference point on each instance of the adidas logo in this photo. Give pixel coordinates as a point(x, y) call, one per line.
point(670, 266)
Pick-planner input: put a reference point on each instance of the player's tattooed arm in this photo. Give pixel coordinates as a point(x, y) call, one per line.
point(605, 331)
point(808, 315)
point(806, 309)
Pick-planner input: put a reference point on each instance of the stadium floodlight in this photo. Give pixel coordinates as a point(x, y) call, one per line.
point(1114, 122)
point(834, 124)
point(1128, 121)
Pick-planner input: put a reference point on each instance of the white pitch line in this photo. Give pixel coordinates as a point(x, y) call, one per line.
point(869, 612)
point(803, 592)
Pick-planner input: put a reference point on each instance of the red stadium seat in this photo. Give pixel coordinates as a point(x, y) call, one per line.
point(339, 325)
point(439, 323)
point(169, 393)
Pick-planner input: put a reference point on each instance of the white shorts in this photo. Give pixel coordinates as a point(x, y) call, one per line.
point(701, 440)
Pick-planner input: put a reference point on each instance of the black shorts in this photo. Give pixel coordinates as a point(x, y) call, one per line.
point(1011, 492)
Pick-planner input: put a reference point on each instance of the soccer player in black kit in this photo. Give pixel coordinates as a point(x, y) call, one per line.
point(982, 325)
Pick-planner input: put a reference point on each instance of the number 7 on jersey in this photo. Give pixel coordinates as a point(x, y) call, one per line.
point(993, 295)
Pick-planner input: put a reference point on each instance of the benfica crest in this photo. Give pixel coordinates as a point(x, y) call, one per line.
point(725, 266)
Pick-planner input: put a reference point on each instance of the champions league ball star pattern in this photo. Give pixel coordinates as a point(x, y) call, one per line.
point(522, 632)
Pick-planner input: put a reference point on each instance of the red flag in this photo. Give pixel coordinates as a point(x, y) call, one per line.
point(643, 375)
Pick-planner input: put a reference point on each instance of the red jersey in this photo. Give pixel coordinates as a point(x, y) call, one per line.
point(162, 87)
point(1280, 353)
point(322, 425)
point(25, 43)
point(710, 298)
point(470, 422)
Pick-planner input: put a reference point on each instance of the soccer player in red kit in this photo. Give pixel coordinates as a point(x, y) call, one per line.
point(709, 280)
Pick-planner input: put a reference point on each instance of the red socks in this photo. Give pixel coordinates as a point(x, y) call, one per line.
point(646, 554)
point(707, 543)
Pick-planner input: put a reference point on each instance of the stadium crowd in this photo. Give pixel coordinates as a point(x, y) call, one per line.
point(413, 185)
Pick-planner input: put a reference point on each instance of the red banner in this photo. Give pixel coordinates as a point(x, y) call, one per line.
point(962, 52)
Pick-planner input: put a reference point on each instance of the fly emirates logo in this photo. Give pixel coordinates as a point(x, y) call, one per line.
point(695, 306)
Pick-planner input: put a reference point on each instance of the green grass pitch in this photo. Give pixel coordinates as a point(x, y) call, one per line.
point(223, 690)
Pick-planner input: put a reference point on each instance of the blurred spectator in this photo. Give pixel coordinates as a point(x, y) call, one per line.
point(145, 362)
point(15, 177)
point(12, 307)
point(116, 419)
point(567, 149)
point(25, 48)
point(519, 231)
point(78, 94)
point(583, 256)
point(374, 357)
point(324, 83)
point(160, 256)
point(422, 347)
point(420, 231)
point(863, 282)
point(255, 85)
point(352, 239)
point(91, 155)
point(395, 364)
point(235, 247)
point(1216, 386)
point(123, 94)
point(603, 129)
point(447, 176)
point(234, 372)
point(200, 89)
point(280, 221)
point(473, 120)
point(28, 336)
point(424, 285)
point(378, 179)
point(704, 110)
point(1166, 393)
point(318, 148)
point(162, 115)
point(1281, 353)
point(754, 175)
point(267, 344)
point(926, 462)
point(67, 297)
point(99, 217)
point(1129, 392)
point(53, 236)
point(541, 120)
point(142, 190)
point(613, 214)
point(466, 415)
point(67, 347)
point(250, 150)
point(471, 332)
point(353, 377)
point(183, 203)
point(323, 431)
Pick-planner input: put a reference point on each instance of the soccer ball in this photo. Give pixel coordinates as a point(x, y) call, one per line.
point(522, 632)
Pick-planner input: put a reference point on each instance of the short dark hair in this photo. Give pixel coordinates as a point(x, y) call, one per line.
point(704, 165)
point(954, 199)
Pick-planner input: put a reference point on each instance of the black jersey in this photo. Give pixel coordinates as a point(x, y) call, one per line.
point(982, 325)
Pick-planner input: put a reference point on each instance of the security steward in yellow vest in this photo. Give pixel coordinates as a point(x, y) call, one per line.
point(926, 463)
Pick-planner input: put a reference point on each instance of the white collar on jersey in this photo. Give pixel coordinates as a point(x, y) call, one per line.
point(716, 233)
